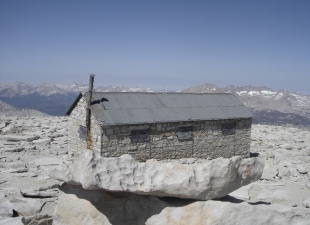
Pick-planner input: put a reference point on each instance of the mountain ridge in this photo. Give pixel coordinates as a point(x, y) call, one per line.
point(269, 106)
point(47, 89)
point(7, 110)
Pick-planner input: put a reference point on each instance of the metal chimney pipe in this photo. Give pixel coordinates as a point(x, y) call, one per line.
point(88, 111)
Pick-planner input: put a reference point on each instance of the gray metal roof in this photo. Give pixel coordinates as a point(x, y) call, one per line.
point(116, 108)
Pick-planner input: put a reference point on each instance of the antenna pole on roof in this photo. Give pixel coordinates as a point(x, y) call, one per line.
point(88, 112)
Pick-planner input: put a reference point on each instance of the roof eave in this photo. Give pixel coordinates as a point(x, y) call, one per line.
point(172, 121)
point(74, 104)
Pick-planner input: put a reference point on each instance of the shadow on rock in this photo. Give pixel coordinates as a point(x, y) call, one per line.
point(230, 199)
point(259, 203)
point(109, 207)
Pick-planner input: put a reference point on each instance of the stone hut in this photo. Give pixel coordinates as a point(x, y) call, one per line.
point(160, 125)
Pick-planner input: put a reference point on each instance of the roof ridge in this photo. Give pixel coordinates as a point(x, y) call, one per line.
point(185, 107)
point(163, 93)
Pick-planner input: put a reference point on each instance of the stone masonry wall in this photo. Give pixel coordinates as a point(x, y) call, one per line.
point(207, 141)
point(76, 119)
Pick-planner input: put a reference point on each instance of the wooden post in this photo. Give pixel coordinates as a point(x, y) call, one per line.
point(88, 111)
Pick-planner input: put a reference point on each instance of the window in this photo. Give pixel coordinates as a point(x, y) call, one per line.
point(139, 136)
point(83, 133)
point(228, 128)
point(185, 133)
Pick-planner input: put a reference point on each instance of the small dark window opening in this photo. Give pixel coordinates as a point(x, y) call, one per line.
point(139, 136)
point(185, 133)
point(228, 128)
point(83, 133)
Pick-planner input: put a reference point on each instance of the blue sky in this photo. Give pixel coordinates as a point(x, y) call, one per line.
point(157, 44)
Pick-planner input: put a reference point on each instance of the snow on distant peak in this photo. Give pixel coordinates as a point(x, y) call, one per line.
point(268, 92)
point(263, 93)
point(252, 93)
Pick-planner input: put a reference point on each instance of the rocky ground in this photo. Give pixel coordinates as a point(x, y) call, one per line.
point(286, 177)
point(32, 147)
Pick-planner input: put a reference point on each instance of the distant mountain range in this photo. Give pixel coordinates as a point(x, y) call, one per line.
point(51, 98)
point(269, 106)
point(48, 89)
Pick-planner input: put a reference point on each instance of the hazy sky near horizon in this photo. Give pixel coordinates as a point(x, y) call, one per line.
point(157, 44)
